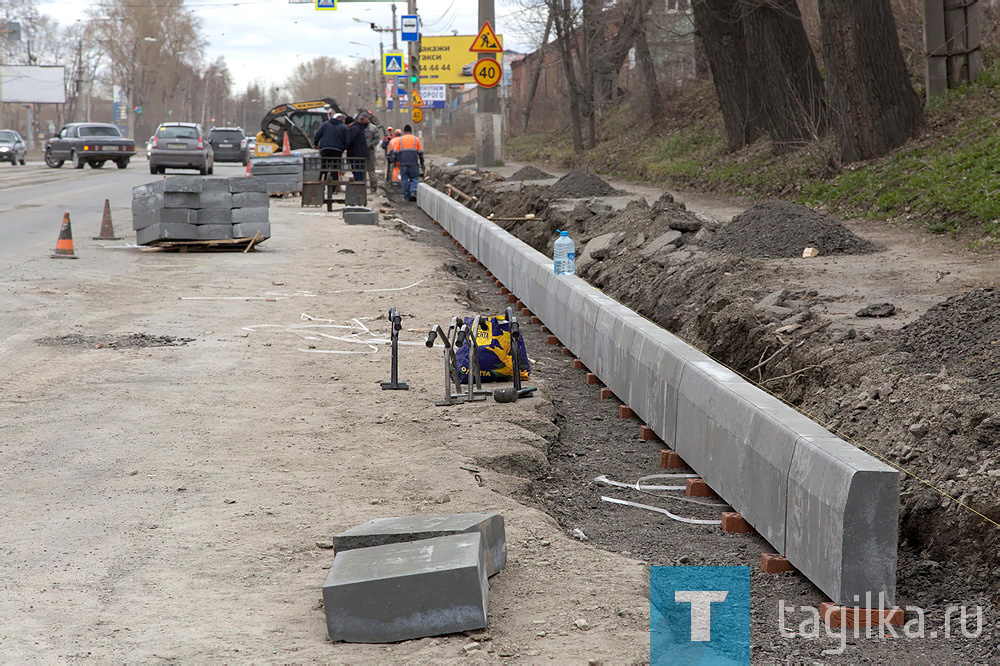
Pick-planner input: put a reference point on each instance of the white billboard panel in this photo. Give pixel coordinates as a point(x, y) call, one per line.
point(32, 84)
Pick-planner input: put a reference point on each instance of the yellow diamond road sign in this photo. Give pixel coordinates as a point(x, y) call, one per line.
point(417, 99)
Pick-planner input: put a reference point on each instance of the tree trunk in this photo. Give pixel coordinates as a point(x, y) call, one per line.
point(592, 74)
point(648, 69)
point(785, 73)
point(562, 12)
point(537, 72)
point(875, 108)
point(718, 24)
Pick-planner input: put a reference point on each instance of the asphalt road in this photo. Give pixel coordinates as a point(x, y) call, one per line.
point(34, 197)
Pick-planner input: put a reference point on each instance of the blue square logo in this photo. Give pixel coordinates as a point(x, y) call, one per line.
point(699, 615)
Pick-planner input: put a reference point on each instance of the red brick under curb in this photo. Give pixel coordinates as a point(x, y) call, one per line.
point(774, 563)
point(535, 320)
point(593, 379)
point(698, 488)
point(670, 460)
point(836, 616)
point(511, 298)
point(734, 523)
point(504, 291)
point(553, 340)
point(546, 329)
point(646, 434)
point(625, 412)
point(566, 351)
point(525, 312)
point(578, 364)
point(607, 394)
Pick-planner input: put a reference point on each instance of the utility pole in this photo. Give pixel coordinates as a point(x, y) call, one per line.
point(413, 54)
point(488, 119)
point(394, 95)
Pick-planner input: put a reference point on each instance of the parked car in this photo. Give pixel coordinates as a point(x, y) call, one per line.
point(11, 147)
point(181, 146)
point(229, 144)
point(89, 143)
point(149, 145)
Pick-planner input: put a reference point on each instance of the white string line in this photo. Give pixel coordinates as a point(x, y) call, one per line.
point(682, 519)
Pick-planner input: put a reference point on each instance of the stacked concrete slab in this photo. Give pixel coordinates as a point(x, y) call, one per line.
point(395, 579)
point(830, 508)
point(183, 208)
point(282, 173)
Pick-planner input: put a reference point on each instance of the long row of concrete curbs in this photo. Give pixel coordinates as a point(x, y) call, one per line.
point(828, 507)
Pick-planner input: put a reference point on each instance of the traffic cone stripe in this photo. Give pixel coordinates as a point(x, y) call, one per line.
point(64, 246)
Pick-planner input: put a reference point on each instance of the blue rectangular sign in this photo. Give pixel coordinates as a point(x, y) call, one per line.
point(410, 28)
point(699, 615)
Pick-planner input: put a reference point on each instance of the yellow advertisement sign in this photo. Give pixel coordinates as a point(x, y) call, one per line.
point(448, 60)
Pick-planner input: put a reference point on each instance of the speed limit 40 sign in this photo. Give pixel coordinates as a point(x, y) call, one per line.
point(487, 73)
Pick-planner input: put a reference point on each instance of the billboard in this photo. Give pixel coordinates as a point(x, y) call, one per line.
point(448, 59)
point(31, 84)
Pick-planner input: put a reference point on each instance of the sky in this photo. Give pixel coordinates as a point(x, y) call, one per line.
point(267, 38)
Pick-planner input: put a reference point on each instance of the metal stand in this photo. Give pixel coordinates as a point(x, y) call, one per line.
point(396, 323)
point(513, 394)
point(475, 379)
point(453, 339)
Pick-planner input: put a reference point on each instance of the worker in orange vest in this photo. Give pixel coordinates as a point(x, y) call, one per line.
point(392, 168)
point(408, 153)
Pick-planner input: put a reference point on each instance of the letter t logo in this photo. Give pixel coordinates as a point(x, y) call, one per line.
point(701, 610)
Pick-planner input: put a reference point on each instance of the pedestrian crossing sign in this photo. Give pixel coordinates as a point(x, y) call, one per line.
point(392, 64)
point(326, 4)
point(486, 41)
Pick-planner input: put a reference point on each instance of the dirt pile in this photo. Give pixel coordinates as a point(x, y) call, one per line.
point(581, 184)
point(961, 334)
point(530, 173)
point(783, 229)
point(469, 158)
point(125, 341)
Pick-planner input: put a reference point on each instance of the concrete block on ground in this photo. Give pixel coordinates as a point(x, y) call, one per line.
point(381, 531)
point(276, 169)
point(215, 185)
point(250, 216)
point(161, 231)
point(252, 199)
point(181, 199)
point(357, 217)
point(249, 229)
point(214, 231)
point(145, 202)
point(215, 200)
point(214, 216)
point(152, 216)
point(247, 184)
point(401, 591)
point(183, 184)
point(155, 187)
point(842, 520)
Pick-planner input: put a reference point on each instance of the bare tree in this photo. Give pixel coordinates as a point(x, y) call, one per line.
point(320, 77)
point(875, 106)
point(718, 24)
point(787, 78)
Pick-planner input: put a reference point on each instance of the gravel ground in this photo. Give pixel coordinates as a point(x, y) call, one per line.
point(713, 302)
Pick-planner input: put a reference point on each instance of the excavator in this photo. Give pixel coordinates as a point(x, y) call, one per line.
point(299, 120)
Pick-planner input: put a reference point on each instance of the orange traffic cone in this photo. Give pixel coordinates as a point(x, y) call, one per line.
point(249, 170)
point(64, 246)
point(107, 228)
point(286, 149)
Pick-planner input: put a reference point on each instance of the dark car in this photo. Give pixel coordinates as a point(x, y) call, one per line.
point(89, 143)
point(11, 147)
point(181, 146)
point(229, 144)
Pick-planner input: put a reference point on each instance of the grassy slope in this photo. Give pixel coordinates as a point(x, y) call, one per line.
point(947, 179)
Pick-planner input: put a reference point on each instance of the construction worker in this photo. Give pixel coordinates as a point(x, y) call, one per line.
point(373, 135)
point(408, 152)
point(332, 138)
point(392, 168)
point(357, 147)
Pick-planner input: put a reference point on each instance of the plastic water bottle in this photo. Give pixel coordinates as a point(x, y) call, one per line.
point(564, 250)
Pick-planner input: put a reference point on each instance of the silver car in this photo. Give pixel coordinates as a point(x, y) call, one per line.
point(11, 147)
point(181, 146)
